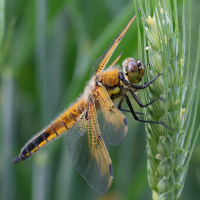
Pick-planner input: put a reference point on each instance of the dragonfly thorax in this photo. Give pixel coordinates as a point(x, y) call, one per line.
point(133, 70)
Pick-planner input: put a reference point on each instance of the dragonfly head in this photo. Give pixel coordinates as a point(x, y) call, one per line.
point(133, 70)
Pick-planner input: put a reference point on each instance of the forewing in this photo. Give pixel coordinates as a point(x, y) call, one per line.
point(112, 122)
point(88, 152)
point(101, 62)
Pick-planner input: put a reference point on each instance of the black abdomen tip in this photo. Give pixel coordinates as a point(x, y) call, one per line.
point(16, 160)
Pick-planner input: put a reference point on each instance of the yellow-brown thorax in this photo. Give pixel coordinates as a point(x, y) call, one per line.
point(110, 80)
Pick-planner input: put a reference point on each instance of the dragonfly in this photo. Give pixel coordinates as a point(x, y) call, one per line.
point(93, 119)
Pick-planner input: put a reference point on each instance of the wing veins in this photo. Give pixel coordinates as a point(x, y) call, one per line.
point(101, 62)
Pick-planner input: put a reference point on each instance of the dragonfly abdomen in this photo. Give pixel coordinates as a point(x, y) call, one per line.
point(55, 129)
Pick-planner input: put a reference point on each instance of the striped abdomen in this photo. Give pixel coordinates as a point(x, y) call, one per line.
point(60, 125)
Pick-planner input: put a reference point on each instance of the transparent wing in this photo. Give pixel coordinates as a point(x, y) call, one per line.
point(112, 122)
point(101, 62)
point(88, 152)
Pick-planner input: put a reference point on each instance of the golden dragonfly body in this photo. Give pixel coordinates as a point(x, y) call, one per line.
point(93, 119)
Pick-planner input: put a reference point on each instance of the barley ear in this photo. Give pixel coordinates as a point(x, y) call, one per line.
point(168, 151)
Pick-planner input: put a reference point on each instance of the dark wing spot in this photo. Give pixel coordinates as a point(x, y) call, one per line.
point(86, 115)
point(99, 137)
point(125, 122)
point(111, 170)
point(119, 39)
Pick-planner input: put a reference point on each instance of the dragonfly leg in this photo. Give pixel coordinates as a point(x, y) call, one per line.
point(126, 110)
point(141, 120)
point(146, 84)
point(141, 104)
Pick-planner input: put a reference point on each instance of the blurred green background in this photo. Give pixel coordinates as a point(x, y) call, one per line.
point(48, 50)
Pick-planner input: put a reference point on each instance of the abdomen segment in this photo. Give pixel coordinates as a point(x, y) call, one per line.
point(55, 129)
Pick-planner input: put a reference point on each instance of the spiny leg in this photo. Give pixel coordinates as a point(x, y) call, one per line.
point(123, 109)
point(141, 104)
point(136, 118)
point(145, 84)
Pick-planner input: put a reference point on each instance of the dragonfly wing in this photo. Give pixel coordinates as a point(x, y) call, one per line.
point(88, 152)
point(112, 122)
point(101, 62)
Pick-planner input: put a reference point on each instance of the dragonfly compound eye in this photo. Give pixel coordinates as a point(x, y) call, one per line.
point(133, 70)
point(141, 68)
